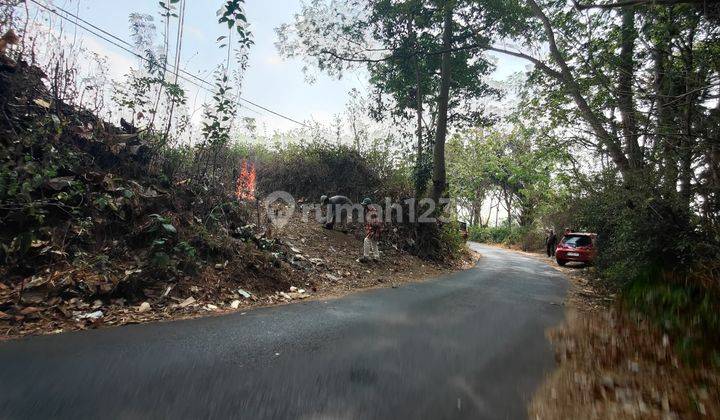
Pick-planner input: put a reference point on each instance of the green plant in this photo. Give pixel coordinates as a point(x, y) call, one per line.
point(187, 257)
point(161, 226)
point(451, 239)
point(686, 311)
point(492, 235)
point(309, 171)
point(163, 234)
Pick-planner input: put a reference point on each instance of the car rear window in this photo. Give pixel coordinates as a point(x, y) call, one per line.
point(577, 240)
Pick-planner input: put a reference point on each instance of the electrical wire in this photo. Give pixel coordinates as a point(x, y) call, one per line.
point(118, 42)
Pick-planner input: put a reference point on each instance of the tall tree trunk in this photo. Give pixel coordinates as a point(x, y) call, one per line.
point(626, 103)
point(487, 219)
point(508, 203)
point(477, 210)
point(439, 176)
point(687, 140)
point(497, 213)
point(663, 86)
point(420, 179)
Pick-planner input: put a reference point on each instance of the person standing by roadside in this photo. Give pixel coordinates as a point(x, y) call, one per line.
point(373, 229)
point(551, 243)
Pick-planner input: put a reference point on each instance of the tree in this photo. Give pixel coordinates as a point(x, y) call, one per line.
point(421, 58)
point(640, 77)
point(467, 160)
point(439, 175)
point(516, 165)
point(631, 91)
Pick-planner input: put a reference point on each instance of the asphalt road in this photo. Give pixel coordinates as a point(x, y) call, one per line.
point(467, 345)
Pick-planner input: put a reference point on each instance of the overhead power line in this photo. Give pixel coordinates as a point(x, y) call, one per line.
point(127, 47)
point(117, 42)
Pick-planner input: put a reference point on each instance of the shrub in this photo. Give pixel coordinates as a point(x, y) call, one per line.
point(490, 235)
point(316, 169)
point(451, 239)
point(685, 310)
point(529, 238)
point(526, 237)
point(655, 253)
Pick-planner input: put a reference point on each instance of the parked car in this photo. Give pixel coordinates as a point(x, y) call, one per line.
point(576, 246)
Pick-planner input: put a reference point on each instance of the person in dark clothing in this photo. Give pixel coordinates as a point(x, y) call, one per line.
point(551, 243)
point(335, 205)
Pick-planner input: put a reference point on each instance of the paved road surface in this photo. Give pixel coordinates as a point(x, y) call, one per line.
point(468, 345)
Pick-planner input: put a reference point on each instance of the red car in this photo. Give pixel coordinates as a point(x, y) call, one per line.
point(576, 246)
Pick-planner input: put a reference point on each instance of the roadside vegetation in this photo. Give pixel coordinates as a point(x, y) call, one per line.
point(110, 190)
point(117, 207)
point(615, 363)
point(614, 132)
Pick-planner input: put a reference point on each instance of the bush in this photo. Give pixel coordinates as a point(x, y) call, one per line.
point(451, 240)
point(316, 169)
point(528, 238)
point(173, 161)
point(686, 311)
point(638, 232)
point(490, 235)
point(654, 252)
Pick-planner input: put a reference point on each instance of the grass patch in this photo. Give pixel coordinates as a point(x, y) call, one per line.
point(688, 313)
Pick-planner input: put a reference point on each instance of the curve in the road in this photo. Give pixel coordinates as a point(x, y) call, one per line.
point(468, 345)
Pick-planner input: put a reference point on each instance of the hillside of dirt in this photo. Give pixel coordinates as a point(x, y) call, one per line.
point(94, 234)
point(330, 257)
point(319, 263)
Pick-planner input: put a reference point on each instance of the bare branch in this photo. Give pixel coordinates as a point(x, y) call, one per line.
point(357, 59)
point(538, 63)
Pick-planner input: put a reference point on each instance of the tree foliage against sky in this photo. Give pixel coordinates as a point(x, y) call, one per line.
point(639, 85)
point(632, 90)
point(402, 45)
point(514, 166)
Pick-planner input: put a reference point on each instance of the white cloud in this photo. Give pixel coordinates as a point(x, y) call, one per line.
point(195, 32)
point(118, 63)
point(273, 60)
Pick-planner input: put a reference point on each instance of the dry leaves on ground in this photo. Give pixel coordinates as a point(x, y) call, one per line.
point(321, 263)
point(617, 365)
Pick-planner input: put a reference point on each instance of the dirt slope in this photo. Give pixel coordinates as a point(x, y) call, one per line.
point(320, 263)
point(330, 258)
point(616, 364)
point(93, 232)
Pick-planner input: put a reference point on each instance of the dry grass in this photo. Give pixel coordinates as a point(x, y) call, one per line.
point(614, 364)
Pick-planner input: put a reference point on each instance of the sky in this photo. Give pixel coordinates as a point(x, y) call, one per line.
point(270, 81)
